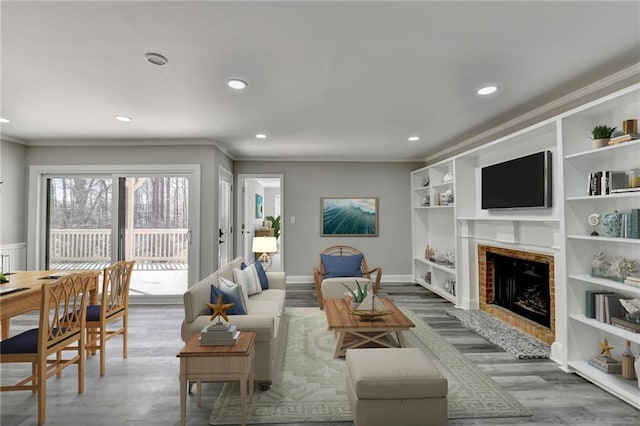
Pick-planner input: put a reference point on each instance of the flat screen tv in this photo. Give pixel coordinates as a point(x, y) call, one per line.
point(520, 183)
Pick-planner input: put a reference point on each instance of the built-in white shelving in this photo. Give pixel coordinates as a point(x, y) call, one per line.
point(579, 161)
point(562, 230)
point(434, 227)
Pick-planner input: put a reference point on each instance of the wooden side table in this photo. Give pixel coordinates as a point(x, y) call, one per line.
point(213, 363)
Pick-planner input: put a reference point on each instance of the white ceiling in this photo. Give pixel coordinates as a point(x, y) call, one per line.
point(327, 80)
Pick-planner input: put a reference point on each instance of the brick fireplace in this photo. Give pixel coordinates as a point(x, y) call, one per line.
point(542, 329)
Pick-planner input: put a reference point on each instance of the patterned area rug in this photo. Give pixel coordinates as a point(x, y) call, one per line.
point(309, 383)
point(501, 334)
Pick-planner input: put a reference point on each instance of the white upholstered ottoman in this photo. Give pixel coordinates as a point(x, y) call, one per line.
point(395, 386)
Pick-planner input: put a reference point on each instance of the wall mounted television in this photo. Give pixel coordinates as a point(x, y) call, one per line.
point(521, 183)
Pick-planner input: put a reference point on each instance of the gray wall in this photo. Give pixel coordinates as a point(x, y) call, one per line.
point(13, 227)
point(306, 182)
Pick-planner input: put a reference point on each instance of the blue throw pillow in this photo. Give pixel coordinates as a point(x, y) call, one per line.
point(341, 266)
point(262, 275)
point(236, 309)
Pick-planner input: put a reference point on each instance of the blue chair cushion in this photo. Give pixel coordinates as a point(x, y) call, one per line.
point(236, 309)
point(93, 313)
point(341, 266)
point(23, 343)
point(262, 275)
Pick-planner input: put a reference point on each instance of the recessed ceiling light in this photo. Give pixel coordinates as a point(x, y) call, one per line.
point(414, 138)
point(237, 84)
point(4, 120)
point(487, 90)
point(261, 136)
point(156, 58)
point(122, 118)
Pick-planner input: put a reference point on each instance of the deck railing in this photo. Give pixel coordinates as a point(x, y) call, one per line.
point(145, 245)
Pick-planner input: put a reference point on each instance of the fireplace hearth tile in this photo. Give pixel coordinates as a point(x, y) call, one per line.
point(514, 341)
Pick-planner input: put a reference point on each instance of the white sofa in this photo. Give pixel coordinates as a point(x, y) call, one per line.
point(264, 316)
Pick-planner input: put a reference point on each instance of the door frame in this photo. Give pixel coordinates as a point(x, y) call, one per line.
point(241, 212)
point(36, 210)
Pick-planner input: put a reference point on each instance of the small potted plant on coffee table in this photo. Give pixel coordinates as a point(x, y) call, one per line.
point(601, 135)
point(356, 295)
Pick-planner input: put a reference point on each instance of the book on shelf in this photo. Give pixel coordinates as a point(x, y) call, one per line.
point(603, 182)
point(634, 276)
point(634, 224)
point(590, 310)
point(606, 364)
point(633, 279)
point(623, 323)
point(606, 305)
point(612, 307)
point(624, 138)
point(612, 180)
point(595, 180)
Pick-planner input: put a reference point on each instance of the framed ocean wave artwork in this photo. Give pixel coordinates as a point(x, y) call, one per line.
point(349, 217)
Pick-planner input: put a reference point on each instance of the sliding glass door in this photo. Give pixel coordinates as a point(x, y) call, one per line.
point(93, 221)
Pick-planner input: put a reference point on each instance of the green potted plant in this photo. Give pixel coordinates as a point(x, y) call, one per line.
point(275, 224)
point(601, 135)
point(356, 295)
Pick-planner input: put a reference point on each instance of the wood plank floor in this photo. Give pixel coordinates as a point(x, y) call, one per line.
point(143, 389)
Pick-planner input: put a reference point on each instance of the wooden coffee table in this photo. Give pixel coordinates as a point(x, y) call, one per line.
point(353, 332)
point(210, 363)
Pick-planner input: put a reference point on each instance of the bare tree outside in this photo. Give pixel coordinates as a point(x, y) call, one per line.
point(80, 220)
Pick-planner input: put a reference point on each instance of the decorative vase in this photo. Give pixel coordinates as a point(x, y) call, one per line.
point(600, 143)
point(612, 223)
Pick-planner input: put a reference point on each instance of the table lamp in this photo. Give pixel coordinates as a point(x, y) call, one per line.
point(264, 245)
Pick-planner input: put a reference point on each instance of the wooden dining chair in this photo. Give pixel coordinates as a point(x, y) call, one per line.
point(63, 306)
point(348, 262)
point(114, 305)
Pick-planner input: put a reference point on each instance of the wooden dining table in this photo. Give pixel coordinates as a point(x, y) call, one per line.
point(27, 297)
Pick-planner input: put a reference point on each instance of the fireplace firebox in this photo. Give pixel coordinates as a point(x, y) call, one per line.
point(520, 291)
point(522, 286)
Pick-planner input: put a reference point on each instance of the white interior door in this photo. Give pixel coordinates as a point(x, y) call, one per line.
point(225, 230)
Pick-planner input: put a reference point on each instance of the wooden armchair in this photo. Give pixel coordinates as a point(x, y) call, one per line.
point(320, 273)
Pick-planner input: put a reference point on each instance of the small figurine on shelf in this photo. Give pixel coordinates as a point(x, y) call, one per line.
point(604, 361)
point(594, 220)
